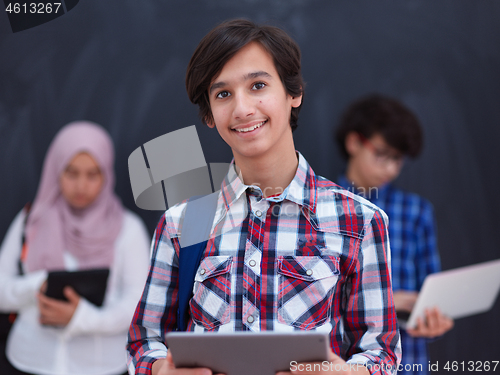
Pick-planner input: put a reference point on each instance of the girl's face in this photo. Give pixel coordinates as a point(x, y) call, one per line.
point(81, 181)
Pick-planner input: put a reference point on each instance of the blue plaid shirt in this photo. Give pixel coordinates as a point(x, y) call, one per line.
point(414, 252)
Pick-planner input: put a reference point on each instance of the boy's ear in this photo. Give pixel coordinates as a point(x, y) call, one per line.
point(352, 143)
point(296, 101)
point(210, 122)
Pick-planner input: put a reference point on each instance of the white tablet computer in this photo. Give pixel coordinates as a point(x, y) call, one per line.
point(247, 353)
point(459, 292)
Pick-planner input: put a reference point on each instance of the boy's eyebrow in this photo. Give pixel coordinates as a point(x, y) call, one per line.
point(253, 75)
point(258, 74)
point(215, 86)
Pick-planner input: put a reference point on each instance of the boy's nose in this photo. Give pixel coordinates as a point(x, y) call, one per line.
point(244, 106)
point(392, 169)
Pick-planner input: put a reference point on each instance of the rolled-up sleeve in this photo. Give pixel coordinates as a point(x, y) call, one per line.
point(155, 313)
point(370, 317)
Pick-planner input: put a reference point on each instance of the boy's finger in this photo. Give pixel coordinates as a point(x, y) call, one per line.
point(170, 360)
point(432, 320)
point(422, 326)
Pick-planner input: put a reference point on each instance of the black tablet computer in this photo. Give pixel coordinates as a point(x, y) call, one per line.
point(90, 284)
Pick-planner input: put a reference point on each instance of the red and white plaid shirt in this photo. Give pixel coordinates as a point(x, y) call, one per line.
point(314, 258)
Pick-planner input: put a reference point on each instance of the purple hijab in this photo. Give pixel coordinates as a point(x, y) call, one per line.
point(54, 227)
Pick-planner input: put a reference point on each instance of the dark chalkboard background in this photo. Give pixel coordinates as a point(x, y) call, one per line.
point(121, 63)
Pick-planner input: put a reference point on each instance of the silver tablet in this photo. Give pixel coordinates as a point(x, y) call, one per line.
point(458, 292)
point(247, 353)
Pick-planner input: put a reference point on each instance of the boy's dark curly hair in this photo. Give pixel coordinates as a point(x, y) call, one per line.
point(378, 114)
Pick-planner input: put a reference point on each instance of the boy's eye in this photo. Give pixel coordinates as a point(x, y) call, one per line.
point(258, 86)
point(222, 95)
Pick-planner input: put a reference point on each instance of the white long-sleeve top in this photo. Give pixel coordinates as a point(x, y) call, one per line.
point(93, 343)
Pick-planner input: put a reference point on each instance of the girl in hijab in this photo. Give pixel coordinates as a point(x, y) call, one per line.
point(76, 222)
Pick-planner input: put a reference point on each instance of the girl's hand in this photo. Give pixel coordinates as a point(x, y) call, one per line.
point(55, 312)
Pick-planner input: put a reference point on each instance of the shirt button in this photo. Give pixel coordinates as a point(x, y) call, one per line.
point(250, 319)
point(252, 263)
point(258, 213)
point(309, 272)
point(202, 271)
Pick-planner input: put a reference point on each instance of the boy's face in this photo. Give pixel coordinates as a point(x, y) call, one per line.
point(372, 162)
point(250, 106)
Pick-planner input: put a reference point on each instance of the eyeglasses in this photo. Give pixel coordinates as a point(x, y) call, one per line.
point(382, 157)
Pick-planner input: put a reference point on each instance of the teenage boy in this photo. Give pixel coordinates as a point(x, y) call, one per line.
point(290, 250)
point(376, 133)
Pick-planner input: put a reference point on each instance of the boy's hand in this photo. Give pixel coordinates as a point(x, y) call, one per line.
point(336, 366)
point(55, 312)
point(435, 324)
point(165, 366)
point(405, 300)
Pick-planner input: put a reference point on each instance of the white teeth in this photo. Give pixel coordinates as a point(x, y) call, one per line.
point(250, 128)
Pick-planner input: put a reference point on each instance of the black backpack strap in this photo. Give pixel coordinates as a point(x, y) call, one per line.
point(198, 220)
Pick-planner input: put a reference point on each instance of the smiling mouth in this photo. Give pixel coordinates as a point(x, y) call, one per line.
point(250, 128)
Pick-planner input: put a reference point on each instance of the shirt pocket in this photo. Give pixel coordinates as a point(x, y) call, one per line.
point(306, 284)
point(210, 305)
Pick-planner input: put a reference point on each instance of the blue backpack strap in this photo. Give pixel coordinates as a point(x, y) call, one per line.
point(196, 227)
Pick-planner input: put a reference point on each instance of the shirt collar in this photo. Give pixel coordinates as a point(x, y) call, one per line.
point(301, 190)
